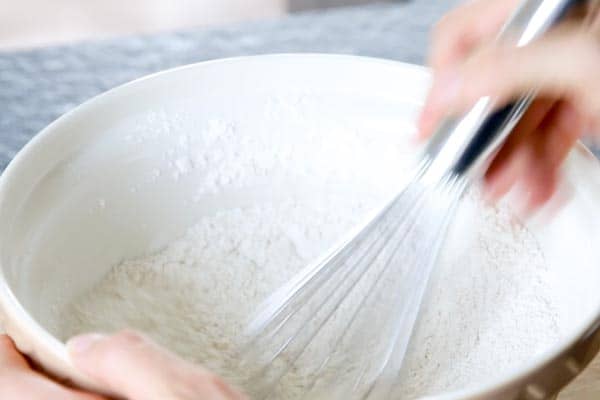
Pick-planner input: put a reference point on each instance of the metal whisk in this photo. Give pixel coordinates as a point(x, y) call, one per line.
point(341, 328)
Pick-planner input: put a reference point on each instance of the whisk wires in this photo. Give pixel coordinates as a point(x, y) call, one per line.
point(344, 323)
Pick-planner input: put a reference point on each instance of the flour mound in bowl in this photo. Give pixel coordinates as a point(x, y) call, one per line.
point(489, 307)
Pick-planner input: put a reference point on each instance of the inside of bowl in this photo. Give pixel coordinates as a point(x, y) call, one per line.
point(132, 171)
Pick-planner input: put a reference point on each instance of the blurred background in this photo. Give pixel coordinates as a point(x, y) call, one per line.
point(34, 23)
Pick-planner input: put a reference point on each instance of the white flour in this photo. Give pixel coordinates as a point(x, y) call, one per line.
point(489, 306)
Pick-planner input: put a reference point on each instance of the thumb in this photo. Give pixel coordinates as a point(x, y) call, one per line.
point(134, 367)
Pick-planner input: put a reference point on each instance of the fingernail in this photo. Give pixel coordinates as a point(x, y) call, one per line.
point(83, 343)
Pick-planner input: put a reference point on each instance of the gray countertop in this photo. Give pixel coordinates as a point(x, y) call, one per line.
point(38, 86)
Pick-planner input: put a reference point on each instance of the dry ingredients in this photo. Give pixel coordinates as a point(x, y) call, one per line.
point(489, 306)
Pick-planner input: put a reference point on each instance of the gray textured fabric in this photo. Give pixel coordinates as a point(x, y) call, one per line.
point(38, 86)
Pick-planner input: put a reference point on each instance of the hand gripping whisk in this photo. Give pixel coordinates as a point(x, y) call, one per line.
point(320, 333)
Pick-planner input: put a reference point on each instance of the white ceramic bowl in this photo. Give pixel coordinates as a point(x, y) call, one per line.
point(82, 195)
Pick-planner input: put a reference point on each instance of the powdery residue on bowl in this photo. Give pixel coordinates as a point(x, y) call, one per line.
point(489, 307)
point(284, 140)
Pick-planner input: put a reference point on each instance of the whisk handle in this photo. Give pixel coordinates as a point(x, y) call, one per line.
point(461, 144)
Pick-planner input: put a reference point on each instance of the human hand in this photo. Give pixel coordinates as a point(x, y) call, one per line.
point(126, 364)
point(563, 66)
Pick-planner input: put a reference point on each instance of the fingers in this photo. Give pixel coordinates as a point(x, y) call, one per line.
point(435, 106)
point(509, 162)
point(18, 381)
point(464, 28)
point(130, 364)
point(454, 37)
point(555, 139)
point(534, 158)
point(563, 64)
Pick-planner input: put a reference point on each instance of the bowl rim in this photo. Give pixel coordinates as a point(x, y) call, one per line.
point(15, 313)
